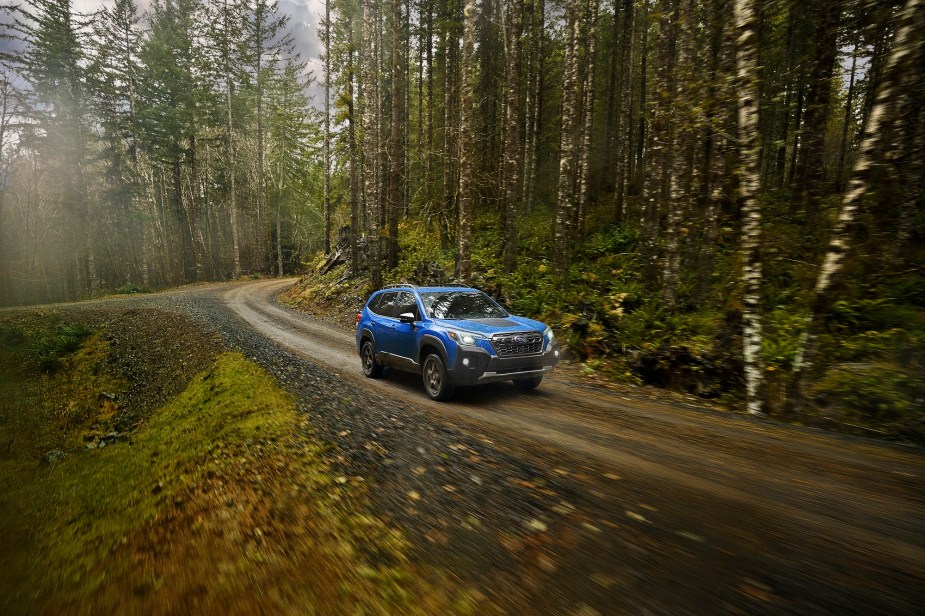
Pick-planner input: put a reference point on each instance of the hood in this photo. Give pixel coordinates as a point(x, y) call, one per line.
point(487, 327)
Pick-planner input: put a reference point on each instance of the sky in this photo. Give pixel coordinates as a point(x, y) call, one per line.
point(304, 16)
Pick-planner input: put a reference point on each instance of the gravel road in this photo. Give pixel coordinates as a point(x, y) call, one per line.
point(581, 499)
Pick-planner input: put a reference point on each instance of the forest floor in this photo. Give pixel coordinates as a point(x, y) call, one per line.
point(318, 491)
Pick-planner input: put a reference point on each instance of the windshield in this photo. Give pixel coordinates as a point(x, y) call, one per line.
point(461, 305)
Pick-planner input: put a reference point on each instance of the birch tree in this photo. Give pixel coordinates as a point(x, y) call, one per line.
point(659, 150)
point(565, 204)
point(587, 118)
point(684, 118)
point(467, 188)
point(903, 66)
point(747, 88)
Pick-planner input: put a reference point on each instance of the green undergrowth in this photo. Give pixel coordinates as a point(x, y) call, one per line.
point(131, 288)
point(51, 376)
point(220, 501)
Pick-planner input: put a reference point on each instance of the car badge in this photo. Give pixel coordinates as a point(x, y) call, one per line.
point(520, 339)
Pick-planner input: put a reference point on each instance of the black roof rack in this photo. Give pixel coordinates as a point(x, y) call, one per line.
point(408, 285)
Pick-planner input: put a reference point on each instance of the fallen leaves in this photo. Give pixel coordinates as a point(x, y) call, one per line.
point(756, 590)
point(602, 580)
point(545, 563)
point(536, 525)
point(690, 536)
point(636, 517)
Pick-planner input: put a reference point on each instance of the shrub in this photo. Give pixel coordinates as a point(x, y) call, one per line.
point(868, 390)
point(49, 346)
point(131, 288)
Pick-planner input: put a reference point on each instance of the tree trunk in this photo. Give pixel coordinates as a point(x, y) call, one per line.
point(683, 118)
point(327, 128)
point(194, 213)
point(354, 155)
point(429, 146)
point(747, 87)
point(533, 102)
point(396, 155)
point(638, 168)
point(565, 204)
point(810, 172)
point(846, 123)
point(783, 134)
point(587, 112)
point(370, 137)
point(720, 124)
point(797, 130)
point(622, 148)
point(467, 188)
point(903, 66)
point(262, 226)
point(660, 141)
point(279, 220)
point(512, 148)
point(450, 132)
point(229, 145)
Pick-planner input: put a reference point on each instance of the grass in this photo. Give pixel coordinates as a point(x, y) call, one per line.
point(221, 501)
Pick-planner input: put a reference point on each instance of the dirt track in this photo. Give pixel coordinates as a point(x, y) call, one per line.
point(682, 509)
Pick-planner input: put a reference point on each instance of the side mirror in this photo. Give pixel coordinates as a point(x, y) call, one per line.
point(406, 317)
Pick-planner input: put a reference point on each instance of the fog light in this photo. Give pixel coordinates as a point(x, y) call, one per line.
point(557, 354)
point(466, 361)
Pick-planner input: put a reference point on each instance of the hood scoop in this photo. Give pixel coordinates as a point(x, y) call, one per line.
point(497, 322)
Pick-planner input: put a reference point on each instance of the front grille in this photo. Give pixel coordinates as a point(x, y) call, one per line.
point(517, 344)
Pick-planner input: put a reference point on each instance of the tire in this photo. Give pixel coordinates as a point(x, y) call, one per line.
point(371, 368)
point(529, 383)
point(436, 379)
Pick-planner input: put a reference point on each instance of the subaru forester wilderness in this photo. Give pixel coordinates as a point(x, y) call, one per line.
point(452, 335)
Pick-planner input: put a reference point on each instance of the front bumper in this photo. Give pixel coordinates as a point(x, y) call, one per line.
point(475, 365)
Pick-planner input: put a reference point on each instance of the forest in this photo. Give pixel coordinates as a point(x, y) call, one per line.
point(721, 197)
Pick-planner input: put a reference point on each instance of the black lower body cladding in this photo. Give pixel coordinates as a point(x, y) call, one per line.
point(478, 366)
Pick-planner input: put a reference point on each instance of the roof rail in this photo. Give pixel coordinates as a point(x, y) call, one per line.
point(400, 285)
point(456, 284)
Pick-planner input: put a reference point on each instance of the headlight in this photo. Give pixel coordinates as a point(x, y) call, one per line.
point(549, 335)
point(463, 338)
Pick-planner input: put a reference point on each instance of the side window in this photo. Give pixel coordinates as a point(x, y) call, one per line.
point(386, 305)
point(374, 304)
point(407, 303)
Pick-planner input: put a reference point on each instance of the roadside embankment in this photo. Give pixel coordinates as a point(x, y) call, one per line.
point(147, 469)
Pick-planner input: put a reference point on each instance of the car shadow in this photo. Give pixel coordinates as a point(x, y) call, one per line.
point(411, 385)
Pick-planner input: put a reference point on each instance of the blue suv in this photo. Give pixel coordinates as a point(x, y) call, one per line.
point(452, 335)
